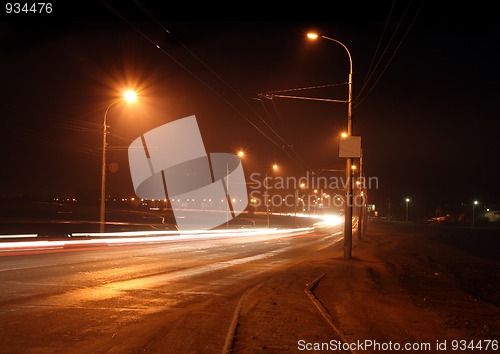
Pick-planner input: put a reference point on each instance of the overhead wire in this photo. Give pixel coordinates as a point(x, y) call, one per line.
point(36, 131)
point(260, 130)
point(284, 146)
point(371, 68)
point(271, 93)
point(308, 88)
point(359, 98)
point(297, 156)
point(291, 146)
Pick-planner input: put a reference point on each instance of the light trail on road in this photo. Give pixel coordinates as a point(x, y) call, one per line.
point(79, 239)
point(146, 295)
point(146, 237)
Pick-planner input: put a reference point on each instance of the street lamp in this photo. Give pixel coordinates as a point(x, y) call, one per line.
point(129, 96)
point(473, 207)
point(407, 201)
point(348, 207)
point(274, 167)
point(240, 154)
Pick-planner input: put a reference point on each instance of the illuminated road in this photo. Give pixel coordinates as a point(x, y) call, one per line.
point(123, 297)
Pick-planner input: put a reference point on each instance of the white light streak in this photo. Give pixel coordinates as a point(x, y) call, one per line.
point(141, 237)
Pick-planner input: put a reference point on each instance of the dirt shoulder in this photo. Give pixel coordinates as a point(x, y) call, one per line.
point(405, 284)
point(415, 284)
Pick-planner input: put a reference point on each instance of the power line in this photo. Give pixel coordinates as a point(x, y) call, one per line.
point(261, 131)
point(371, 69)
point(360, 98)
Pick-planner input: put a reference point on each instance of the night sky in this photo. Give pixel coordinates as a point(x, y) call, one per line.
point(425, 84)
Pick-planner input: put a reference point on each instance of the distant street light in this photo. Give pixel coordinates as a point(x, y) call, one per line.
point(275, 167)
point(473, 212)
point(407, 202)
point(348, 193)
point(129, 96)
point(240, 154)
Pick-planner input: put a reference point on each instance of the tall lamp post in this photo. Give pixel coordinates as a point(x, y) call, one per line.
point(348, 193)
point(129, 96)
point(240, 154)
point(407, 200)
point(275, 167)
point(473, 212)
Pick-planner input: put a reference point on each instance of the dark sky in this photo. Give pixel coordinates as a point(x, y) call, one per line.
point(425, 83)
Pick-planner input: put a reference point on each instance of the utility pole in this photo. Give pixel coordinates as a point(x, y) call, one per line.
point(407, 202)
point(348, 185)
point(361, 212)
point(348, 199)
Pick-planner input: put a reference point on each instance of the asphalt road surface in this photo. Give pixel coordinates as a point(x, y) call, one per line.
point(180, 296)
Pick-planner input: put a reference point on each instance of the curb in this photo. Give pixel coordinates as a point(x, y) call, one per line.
point(309, 290)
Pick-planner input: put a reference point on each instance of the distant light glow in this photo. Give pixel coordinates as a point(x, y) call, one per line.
point(330, 220)
point(312, 35)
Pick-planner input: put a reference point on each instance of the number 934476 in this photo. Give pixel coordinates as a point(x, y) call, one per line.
point(28, 8)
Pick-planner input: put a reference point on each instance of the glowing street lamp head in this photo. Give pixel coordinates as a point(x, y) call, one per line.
point(275, 167)
point(475, 202)
point(344, 135)
point(130, 96)
point(407, 200)
point(312, 35)
point(241, 153)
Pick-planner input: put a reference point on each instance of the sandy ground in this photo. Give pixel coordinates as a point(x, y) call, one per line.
point(407, 288)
